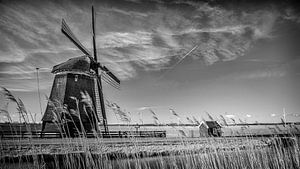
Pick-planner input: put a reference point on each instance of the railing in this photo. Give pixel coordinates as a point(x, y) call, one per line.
point(125, 134)
point(110, 134)
point(26, 134)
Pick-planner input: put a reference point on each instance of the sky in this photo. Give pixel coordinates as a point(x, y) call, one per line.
point(238, 59)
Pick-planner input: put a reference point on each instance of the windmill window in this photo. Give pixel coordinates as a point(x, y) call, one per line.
point(214, 131)
point(76, 78)
point(59, 82)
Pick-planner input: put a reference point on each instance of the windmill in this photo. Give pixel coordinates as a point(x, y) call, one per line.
point(75, 78)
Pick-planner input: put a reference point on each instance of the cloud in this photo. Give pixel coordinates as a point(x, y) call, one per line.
point(132, 38)
point(236, 30)
point(25, 33)
point(129, 13)
point(165, 37)
point(272, 72)
point(25, 85)
point(124, 71)
point(294, 114)
point(230, 116)
point(124, 39)
point(266, 74)
point(148, 107)
point(292, 15)
point(143, 108)
point(217, 41)
point(230, 39)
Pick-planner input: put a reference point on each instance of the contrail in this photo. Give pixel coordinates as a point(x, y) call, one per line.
point(195, 47)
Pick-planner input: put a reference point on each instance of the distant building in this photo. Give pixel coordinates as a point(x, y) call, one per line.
point(210, 129)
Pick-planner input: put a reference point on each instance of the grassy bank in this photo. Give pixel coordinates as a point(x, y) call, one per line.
point(176, 153)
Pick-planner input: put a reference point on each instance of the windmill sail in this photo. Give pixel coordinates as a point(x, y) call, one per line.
point(109, 81)
point(94, 35)
point(67, 31)
point(99, 84)
point(111, 75)
point(98, 101)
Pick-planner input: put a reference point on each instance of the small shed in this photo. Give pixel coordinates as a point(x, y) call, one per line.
point(210, 129)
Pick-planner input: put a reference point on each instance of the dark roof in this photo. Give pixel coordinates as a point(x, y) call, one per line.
point(212, 124)
point(82, 63)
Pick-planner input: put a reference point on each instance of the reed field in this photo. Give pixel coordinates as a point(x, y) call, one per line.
point(236, 152)
point(151, 153)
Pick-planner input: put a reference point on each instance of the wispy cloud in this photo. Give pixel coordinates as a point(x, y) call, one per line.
point(266, 74)
point(229, 115)
point(130, 40)
point(149, 107)
point(236, 30)
point(124, 39)
point(126, 12)
point(272, 72)
point(291, 14)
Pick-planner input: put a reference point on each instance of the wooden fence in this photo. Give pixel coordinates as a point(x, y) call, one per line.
point(111, 134)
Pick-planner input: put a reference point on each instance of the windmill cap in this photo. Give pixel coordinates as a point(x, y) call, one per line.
point(81, 64)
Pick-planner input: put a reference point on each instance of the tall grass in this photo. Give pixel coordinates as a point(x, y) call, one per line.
point(188, 153)
point(214, 154)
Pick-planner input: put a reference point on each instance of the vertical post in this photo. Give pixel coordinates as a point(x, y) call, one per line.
point(38, 87)
point(43, 128)
point(284, 116)
point(102, 105)
point(97, 72)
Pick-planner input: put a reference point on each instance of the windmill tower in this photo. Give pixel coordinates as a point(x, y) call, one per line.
point(77, 79)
